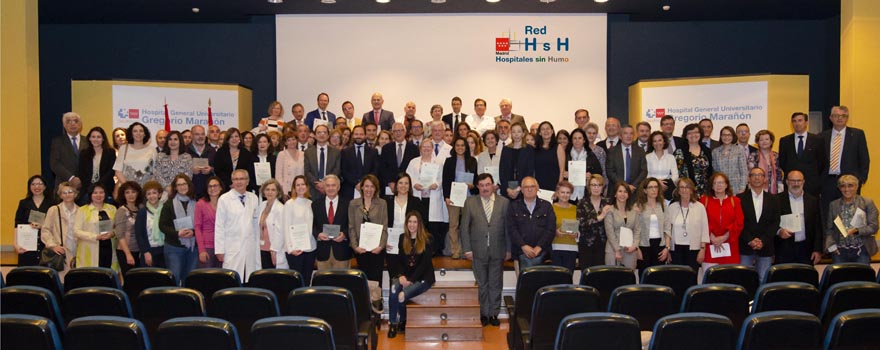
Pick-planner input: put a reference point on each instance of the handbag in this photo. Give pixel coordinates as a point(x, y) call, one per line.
point(48, 257)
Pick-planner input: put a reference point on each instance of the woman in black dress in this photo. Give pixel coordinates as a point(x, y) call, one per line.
point(36, 200)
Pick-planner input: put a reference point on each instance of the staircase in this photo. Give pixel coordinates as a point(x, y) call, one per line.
point(449, 311)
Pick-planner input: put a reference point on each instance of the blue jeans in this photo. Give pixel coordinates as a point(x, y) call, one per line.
point(399, 308)
point(525, 261)
point(857, 255)
point(181, 260)
point(761, 263)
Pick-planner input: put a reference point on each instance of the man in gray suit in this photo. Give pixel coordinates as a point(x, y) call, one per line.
point(484, 241)
point(506, 105)
point(64, 151)
point(382, 118)
point(321, 160)
point(626, 162)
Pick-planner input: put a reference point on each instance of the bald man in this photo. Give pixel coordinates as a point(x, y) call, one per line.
point(506, 107)
point(382, 118)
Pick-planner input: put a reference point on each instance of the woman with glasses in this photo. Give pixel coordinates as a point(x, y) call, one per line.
point(687, 225)
point(151, 240)
point(730, 159)
point(176, 222)
point(368, 209)
point(651, 206)
point(204, 219)
point(725, 222)
point(859, 220)
point(695, 160)
point(768, 159)
point(35, 201)
point(57, 231)
point(591, 213)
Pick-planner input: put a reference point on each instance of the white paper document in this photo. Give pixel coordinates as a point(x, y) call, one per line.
point(394, 235)
point(263, 172)
point(577, 172)
point(859, 219)
point(371, 236)
point(791, 222)
point(319, 122)
point(299, 237)
point(626, 237)
point(458, 194)
point(716, 252)
point(546, 195)
point(492, 170)
point(26, 237)
point(428, 174)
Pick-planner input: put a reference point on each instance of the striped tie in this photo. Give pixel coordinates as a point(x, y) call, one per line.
point(487, 207)
point(835, 154)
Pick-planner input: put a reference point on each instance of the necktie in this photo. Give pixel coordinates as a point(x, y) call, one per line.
point(456, 121)
point(321, 164)
point(644, 146)
point(302, 148)
point(707, 143)
point(241, 198)
point(835, 154)
point(399, 154)
point(376, 117)
point(611, 144)
point(330, 214)
point(487, 207)
point(628, 160)
point(75, 144)
point(436, 149)
point(358, 150)
point(800, 145)
point(324, 115)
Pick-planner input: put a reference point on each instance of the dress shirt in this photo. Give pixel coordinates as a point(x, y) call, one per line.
point(615, 140)
point(798, 137)
point(531, 205)
point(302, 146)
point(797, 208)
point(335, 202)
point(626, 171)
point(758, 202)
point(480, 124)
point(325, 149)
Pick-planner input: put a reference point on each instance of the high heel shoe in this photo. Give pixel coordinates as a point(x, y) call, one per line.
point(392, 330)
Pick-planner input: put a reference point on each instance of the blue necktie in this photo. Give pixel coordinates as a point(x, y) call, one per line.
point(436, 149)
point(241, 197)
point(628, 160)
point(75, 145)
point(321, 165)
point(800, 145)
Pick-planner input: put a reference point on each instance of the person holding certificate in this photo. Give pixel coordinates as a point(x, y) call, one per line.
point(462, 168)
point(565, 246)
point(151, 240)
point(57, 230)
point(415, 271)
point(581, 157)
point(490, 158)
point(427, 178)
point(852, 224)
point(799, 238)
point(204, 219)
point(725, 215)
point(651, 206)
point(31, 213)
point(298, 242)
point(367, 223)
point(686, 223)
point(399, 205)
point(264, 158)
point(623, 225)
point(176, 222)
point(95, 239)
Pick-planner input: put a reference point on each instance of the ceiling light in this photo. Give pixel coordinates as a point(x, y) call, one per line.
point(601, 1)
point(383, 1)
point(275, 1)
point(438, 1)
point(493, 1)
point(547, 1)
point(328, 1)
point(666, 7)
point(195, 10)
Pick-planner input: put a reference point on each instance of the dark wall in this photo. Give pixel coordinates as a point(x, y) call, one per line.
point(241, 53)
point(656, 50)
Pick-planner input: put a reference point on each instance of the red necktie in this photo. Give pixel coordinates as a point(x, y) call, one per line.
point(330, 214)
point(376, 117)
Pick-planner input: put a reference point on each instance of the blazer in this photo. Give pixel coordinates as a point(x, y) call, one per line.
point(449, 120)
point(812, 228)
point(378, 214)
point(105, 170)
point(866, 233)
point(679, 143)
point(352, 170)
point(388, 169)
point(514, 119)
point(485, 238)
point(423, 269)
point(311, 116)
point(386, 119)
point(470, 165)
point(525, 165)
point(412, 204)
point(63, 161)
point(536, 229)
point(763, 228)
point(341, 250)
point(614, 166)
point(200, 181)
point(223, 166)
point(614, 221)
point(810, 162)
point(854, 158)
point(311, 163)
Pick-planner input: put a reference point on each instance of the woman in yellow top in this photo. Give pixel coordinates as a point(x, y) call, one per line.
point(95, 240)
point(565, 246)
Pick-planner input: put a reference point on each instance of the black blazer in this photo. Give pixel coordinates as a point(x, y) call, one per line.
point(62, 159)
point(341, 250)
point(200, 181)
point(449, 120)
point(223, 166)
point(594, 166)
point(412, 204)
point(422, 270)
point(353, 171)
point(614, 166)
point(388, 168)
point(813, 228)
point(470, 165)
point(854, 158)
point(810, 162)
point(386, 119)
point(764, 229)
point(525, 165)
point(105, 168)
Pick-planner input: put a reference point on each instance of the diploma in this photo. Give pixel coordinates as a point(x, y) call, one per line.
point(26, 237)
point(626, 237)
point(319, 122)
point(332, 231)
point(462, 176)
point(183, 223)
point(577, 172)
point(492, 170)
point(394, 235)
point(546, 195)
point(859, 219)
point(715, 252)
point(263, 171)
point(371, 236)
point(36, 217)
point(458, 194)
point(570, 226)
point(791, 222)
point(299, 237)
point(105, 226)
point(428, 174)
point(838, 222)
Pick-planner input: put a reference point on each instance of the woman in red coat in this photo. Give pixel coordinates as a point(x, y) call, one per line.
point(725, 222)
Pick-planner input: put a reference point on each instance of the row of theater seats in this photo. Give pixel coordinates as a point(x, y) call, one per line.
point(544, 296)
point(338, 297)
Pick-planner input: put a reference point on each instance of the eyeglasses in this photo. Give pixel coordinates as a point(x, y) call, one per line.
point(181, 184)
point(68, 192)
point(652, 187)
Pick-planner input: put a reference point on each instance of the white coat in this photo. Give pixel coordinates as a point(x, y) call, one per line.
point(236, 234)
point(275, 226)
point(437, 211)
point(296, 211)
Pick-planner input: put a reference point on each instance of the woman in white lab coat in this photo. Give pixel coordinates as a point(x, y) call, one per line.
point(271, 214)
point(430, 192)
point(236, 233)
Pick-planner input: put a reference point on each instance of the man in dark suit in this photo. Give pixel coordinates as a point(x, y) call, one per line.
point(331, 253)
point(299, 116)
point(506, 106)
point(805, 245)
point(612, 134)
point(743, 134)
point(643, 136)
point(453, 119)
point(804, 152)
point(320, 160)
point(395, 156)
point(199, 148)
point(382, 118)
point(484, 241)
point(626, 162)
point(357, 160)
point(667, 126)
point(846, 152)
point(760, 222)
point(65, 149)
point(707, 127)
point(321, 113)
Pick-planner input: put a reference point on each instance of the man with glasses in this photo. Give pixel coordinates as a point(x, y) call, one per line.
point(65, 149)
point(846, 152)
point(320, 160)
point(236, 242)
point(760, 222)
point(395, 156)
point(479, 121)
point(416, 132)
point(743, 133)
point(801, 243)
point(531, 226)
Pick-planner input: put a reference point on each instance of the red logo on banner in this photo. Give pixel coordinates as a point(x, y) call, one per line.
point(660, 112)
point(502, 44)
point(134, 113)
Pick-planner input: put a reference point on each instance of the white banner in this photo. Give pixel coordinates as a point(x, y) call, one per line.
point(186, 107)
point(726, 104)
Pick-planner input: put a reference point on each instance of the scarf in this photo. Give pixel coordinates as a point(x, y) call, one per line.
point(154, 235)
point(181, 212)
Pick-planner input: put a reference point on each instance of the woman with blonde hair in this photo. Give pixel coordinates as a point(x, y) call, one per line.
point(273, 121)
point(57, 232)
point(688, 226)
point(298, 211)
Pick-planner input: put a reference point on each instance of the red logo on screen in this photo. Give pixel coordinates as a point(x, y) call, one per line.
point(134, 113)
point(502, 44)
point(660, 112)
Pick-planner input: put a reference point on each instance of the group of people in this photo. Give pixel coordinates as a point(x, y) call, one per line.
point(208, 197)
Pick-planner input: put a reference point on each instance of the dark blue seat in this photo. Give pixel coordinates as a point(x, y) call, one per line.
point(37, 276)
point(243, 307)
point(334, 305)
point(552, 304)
point(741, 275)
point(696, 330)
point(29, 332)
point(780, 330)
point(647, 303)
point(81, 277)
point(106, 332)
point(530, 280)
point(598, 330)
point(731, 301)
point(677, 277)
point(845, 296)
point(355, 281)
point(159, 304)
point(606, 279)
point(855, 329)
point(309, 332)
point(845, 272)
point(279, 281)
point(188, 333)
point(140, 278)
point(96, 301)
point(791, 296)
point(209, 281)
point(30, 300)
point(792, 272)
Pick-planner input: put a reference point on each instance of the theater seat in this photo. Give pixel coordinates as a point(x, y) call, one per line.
point(243, 307)
point(189, 333)
point(355, 281)
point(647, 303)
point(791, 296)
point(845, 296)
point(780, 330)
point(159, 304)
point(792, 272)
point(741, 275)
point(96, 301)
point(279, 281)
point(677, 277)
point(90, 277)
point(275, 332)
point(731, 301)
point(30, 300)
point(530, 280)
point(696, 330)
point(598, 330)
point(334, 305)
point(106, 332)
point(606, 279)
point(855, 329)
point(845, 272)
point(29, 332)
point(209, 281)
point(552, 304)
point(36, 276)
point(140, 278)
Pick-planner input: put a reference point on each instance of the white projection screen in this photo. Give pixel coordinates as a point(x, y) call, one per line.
point(428, 59)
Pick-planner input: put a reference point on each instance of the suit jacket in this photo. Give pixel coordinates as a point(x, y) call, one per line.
point(712, 143)
point(866, 233)
point(485, 238)
point(810, 162)
point(388, 169)
point(412, 204)
point(341, 250)
point(223, 167)
point(311, 164)
point(378, 214)
point(514, 119)
point(536, 229)
point(604, 143)
point(812, 228)
point(63, 161)
point(854, 158)
point(200, 181)
point(763, 228)
point(615, 168)
point(386, 119)
point(470, 166)
point(679, 144)
point(352, 170)
point(449, 120)
point(311, 116)
point(105, 170)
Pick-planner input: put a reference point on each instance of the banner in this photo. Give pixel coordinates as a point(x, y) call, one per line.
point(186, 107)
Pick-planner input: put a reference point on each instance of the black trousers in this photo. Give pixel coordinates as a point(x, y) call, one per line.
point(683, 255)
point(649, 255)
point(589, 256)
point(304, 264)
point(372, 265)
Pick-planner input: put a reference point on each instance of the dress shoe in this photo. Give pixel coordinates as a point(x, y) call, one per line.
point(401, 327)
point(484, 320)
point(493, 320)
point(392, 330)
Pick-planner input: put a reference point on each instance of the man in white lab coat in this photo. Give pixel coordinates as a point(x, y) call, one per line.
point(236, 238)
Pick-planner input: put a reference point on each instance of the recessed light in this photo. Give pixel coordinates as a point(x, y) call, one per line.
point(383, 1)
point(493, 1)
point(275, 1)
point(547, 1)
point(328, 1)
point(666, 7)
point(601, 1)
point(195, 10)
point(438, 1)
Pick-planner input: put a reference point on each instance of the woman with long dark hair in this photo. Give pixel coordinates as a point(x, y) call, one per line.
point(651, 206)
point(415, 271)
point(96, 163)
point(298, 211)
point(459, 162)
point(549, 158)
point(205, 217)
point(35, 200)
point(95, 239)
point(131, 197)
point(231, 156)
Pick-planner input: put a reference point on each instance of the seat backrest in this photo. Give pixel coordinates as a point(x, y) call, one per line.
point(355, 281)
point(677, 277)
point(854, 329)
point(30, 300)
point(279, 281)
point(647, 303)
point(530, 280)
point(745, 276)
point(37, 276)
point(159, 304)
point(552, 304)
point(81, 277)
point(140, 278)
point(197, 333)
point(96, 301)
point(601, 330)
point(606, 279)
point(845, 296)
point(723, 299)
point(243, 307)
point(332, 304)
point(791, 296)
point(209, 281)
point(792, 272)
point(780, 330)
point(845, 272)
point(695, 330)
point(30, 332)
point(106, 332)
point(309, 332)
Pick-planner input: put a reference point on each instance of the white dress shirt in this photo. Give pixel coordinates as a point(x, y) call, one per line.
point(480, 124)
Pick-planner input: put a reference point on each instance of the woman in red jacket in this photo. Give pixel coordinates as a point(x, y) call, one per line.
point(725, 222)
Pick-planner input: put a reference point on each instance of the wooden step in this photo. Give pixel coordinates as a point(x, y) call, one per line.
point(433, 330)
point(453, 309)
point(450, 290)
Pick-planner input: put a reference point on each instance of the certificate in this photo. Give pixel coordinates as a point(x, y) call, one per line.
point(37, 217)
point(577, 172)
point(428, 174)
point(859, 218)
point(263, 171)
point(570, 226)
point(26, 237)
point(791, 222)
point(546, 195)
point(318, 122)
point(394, 235)
point(626, 237)
point(200, 162)
point(183, 223)
point(715, 252)
point(838, 222)
point(371, 236)
point(332, 231)
point(458, 194)
point(299, 237)
point(105, 226)
point(492, 170)
point(462, 176)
